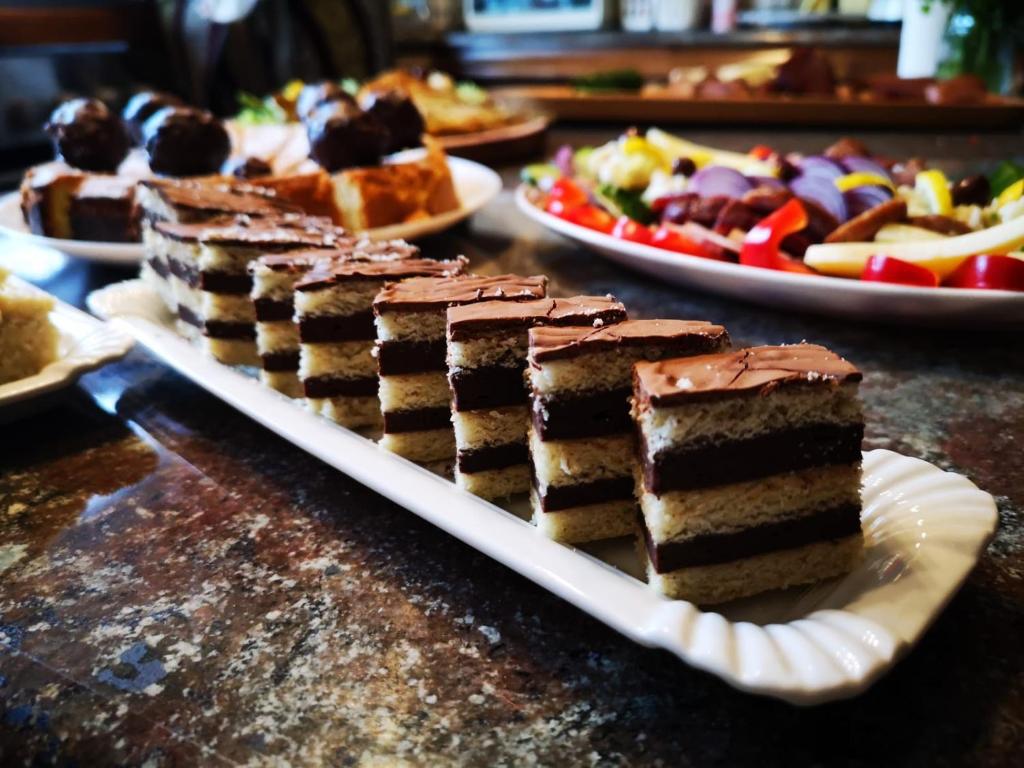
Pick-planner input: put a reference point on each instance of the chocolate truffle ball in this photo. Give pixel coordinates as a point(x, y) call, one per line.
point(247, 168)
point(183, 141)
point(142, 106)
point(341, 135)
point(87, 135)
point(397, 112)
point(314, 95)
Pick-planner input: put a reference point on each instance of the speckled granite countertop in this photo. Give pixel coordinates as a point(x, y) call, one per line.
point(179, 586)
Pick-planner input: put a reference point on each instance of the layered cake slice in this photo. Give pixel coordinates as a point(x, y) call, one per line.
point(334, 313)
point(487, 344)
point(207, 268)
point(63, 202)
point(581, 436)
point(751, 470)
point(273, 294)
point(410, 318)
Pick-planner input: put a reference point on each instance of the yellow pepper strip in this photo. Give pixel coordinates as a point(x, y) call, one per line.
point(1012, 193)
point(933, 186)
point(861, 179)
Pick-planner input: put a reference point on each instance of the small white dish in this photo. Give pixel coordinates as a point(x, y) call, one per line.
point(924, 529)
point(475, 184)
point(820, 294)
point(85, 345)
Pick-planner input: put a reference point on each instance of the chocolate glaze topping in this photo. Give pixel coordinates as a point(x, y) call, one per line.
point(197, 199)
point(353, 250)
point(298, 232)
point(474, 320)
point(554, 343)
point(431, 294)
point(757, 370)
point(327, 274)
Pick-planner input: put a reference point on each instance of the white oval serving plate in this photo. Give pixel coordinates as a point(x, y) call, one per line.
point(795, 292)
point(475, 184)
point(85, 345)
point(924, 531)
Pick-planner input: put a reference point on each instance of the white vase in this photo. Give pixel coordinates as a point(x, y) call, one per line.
point(921, 37)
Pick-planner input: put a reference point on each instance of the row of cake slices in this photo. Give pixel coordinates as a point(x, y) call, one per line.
point(737, 471)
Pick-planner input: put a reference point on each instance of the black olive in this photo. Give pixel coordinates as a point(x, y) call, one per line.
point(141, 107)
point(974, 190)
point(399, 115)
point(87, 135)
point(183, 141)
point(683, 166)
point(343, 136)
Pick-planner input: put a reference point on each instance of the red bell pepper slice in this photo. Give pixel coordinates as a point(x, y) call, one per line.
point(761, 245)
point(994, 272)
point(761, 152)
point(887, 269)
point(569, 192)
point(591, 217)
point(671, 239)
point(627, 229)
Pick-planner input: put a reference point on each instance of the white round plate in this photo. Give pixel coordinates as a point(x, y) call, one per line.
point(12, 224)
point(795, 292)
point(475, 184)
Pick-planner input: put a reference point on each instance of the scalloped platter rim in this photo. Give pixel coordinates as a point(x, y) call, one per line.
point(924, 529)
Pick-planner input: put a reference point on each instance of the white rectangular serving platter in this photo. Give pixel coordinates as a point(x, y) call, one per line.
point(84, 345)
point(924, 528)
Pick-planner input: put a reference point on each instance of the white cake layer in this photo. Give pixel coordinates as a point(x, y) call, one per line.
point(186, 296)
point(277, 336)
point(591, 522)
point(231, 351)
point(285, 382)
point(346, 298)
point(711, 584)
point(737, 418)
point(233, 259)
point(410, 326)
point(161, 285)
point(497, 426)
point(409, 391)
point(496, 483)
point(347, 411)
point(278, 285)
point(571, 462)
point(344, 359)
point(228, 307)
point(427, 445)
point(499, 349)
point(678, 515)
point(153, 205)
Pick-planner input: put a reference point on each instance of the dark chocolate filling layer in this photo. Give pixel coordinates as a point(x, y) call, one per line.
point(601, 413)
point(281, 361)
point(328, 328)
point(332, 386)
point(223, 329)
point(269, 310)
point(159, 266)
point(488, 387)
point(815, 445)
point(829, 524)
point(419, 420)
point(186, 315)
point(225, 282)
point(559, 497)
point(397, 357)
point(493, 457)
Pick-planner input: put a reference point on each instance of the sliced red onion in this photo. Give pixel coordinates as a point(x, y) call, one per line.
point(864, 198)
point(864, 165)
point(816, 165)
point(563, 159)
point(767, 181)
point(821, 190)
point(716, 180)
